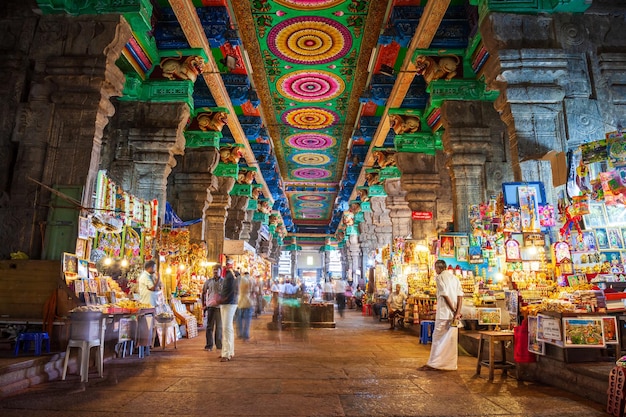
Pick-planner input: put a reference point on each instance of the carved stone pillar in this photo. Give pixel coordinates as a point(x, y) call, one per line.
point(326, 263)
point(467, 144)
point(154, 134)
point(236, 215)
point(294, 264)
point(399, 210)
point(531, 76)
point(189, 184)
point(355, 256)
point(246, 226)
point(421, 182)
point(382, 221)
point(345, 259)
point(215, 211)
point(58, 130)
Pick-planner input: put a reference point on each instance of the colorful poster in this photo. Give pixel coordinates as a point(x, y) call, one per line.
point(609, 329)
point(529, 208)
point(583, 332)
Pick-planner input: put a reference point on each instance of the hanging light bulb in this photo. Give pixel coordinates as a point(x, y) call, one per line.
point(168, 270)
point(182, 267)
point(124, 263)
point(108, 261)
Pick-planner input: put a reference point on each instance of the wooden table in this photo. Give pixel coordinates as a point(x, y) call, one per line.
point(492, 338)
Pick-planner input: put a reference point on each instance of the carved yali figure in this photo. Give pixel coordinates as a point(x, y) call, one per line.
point(363, 194)
point(443, 67)
point(245, 176)
point(372, 178)
point(179, 69)
point(212, 121)
point(230, 155)
point(385, 159)
point(404, 124)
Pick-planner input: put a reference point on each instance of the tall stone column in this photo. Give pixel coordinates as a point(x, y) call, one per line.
point(326, 263)
point(189, 184)
point(154, 133)
point(215, 212)
point(355, 256)
point(237, 212)
point(531, 76)
point(58, 130)
point(345, 259)
point(382, 221)
point(466, 145)
point(421, 182)
point(399, 210)
point(294, 264)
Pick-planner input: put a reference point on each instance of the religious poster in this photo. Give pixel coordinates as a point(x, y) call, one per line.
point(583, 332)
point(446, 250)
point(529, 208)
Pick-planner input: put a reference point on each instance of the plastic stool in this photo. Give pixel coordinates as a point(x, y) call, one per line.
point(91, 339)
point(165, 326)
point(426, 331)
point(367, 310)
point(23, 340)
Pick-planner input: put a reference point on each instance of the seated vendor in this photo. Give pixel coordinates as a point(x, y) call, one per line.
point(381, 300)
point(358, 297)
point(395, 305)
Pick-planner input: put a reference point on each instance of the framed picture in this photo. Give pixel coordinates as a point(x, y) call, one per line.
point(461, 254)
point(623, 230)
point(534, 345)
point(70, 263)
point(461, 241)
point(83, 228)
point(602, 238)
point(583, 332)
point(614, 258)
point(549, 330)
point(589, 241)
point(615, 238)
point(596, 216)
point(609, 329)
point(83, 268)
point(81, 248)
point(489, 316)
point(615, 214)
point(447, 247)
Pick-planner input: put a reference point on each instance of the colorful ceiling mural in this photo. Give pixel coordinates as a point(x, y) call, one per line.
point(304, 86)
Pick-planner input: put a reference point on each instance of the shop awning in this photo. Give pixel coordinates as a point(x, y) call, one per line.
point(172, 218)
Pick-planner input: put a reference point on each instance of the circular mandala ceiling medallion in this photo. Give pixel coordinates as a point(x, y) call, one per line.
point(310, 141)
point(311, 198)
point(309, 4)
point(311, 173)
point(310, 159)
point(310, 86)
point(309, 40)
point(310, 118)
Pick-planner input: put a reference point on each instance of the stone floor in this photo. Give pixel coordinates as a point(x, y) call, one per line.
point(359, 368)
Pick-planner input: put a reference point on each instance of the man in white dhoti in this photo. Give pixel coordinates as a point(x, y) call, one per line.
point(444, 350)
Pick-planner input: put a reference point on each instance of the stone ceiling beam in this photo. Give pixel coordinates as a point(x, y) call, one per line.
point(424, 34)
point(185, 11)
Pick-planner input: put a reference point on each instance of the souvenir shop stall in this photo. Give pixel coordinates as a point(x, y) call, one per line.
point(588, 257)
point(114, 240)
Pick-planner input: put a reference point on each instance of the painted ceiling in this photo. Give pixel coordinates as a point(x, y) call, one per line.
point(308, 84)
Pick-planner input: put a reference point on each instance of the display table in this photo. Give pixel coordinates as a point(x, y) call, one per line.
point(308, 315)
point(493, 338)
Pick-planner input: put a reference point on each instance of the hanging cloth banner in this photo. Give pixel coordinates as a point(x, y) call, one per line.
point(171, 218)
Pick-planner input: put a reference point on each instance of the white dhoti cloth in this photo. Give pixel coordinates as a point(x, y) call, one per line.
point(444, 351)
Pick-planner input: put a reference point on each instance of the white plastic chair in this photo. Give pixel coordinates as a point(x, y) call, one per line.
point(84, 335)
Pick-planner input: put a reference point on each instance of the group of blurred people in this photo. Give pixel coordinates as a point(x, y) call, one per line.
point(232, 298)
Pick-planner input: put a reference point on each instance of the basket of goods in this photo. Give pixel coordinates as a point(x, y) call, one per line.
point(164, 317)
